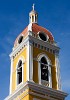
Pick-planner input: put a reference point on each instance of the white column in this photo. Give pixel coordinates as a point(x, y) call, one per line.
point(34, 18)
point(11, 71)
point(29, 61)
point(50, 76)
point(58, 72)
point(39, 71)
point(31, 19)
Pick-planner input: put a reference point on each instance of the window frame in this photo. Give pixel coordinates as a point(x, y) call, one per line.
point(43, 64)
point(49, 70)
point(23, 60)
point(19, 67)
point(21, 36)
point(46, 36)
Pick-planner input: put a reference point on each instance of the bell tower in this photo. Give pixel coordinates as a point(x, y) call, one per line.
point(35, 70)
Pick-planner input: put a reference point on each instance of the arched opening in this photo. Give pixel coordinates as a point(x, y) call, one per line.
point(20, 39)
point(19, 72)
point(35, 18)
point(42, 36)
point(32, 18)
point(44, 69)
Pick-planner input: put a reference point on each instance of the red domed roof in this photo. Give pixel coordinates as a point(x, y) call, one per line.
point(35, 28)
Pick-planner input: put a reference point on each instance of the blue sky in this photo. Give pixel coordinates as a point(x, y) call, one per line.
point(53, 15)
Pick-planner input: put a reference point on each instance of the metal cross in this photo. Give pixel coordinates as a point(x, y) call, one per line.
point(33, 6)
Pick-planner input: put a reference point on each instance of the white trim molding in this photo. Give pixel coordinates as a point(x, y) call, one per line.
point(23, 61)
point(49, 69)
point(39, 91)
point(58, 78)
point(30, 27)
point(19, 47)
point(29, 61)
point(11, 71)
point(44, 35)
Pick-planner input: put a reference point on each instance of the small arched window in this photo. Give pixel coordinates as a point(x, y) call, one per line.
point(44, 69)
point(20, 39)
point(19, 72)
point(42, 36)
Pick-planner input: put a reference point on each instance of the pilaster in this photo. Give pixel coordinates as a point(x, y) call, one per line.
point(11, 71)
point(58, 71)
point(30, 61)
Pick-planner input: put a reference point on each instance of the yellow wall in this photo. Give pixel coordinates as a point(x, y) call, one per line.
point(36, 52)
point(15, 61)
point(22, 97)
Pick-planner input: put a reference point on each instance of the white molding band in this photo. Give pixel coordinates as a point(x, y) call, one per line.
point(35, 40)
point(19, 47)
point(38, 89)
point(46, 44)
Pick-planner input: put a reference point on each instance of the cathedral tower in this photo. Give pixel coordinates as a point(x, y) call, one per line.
point(35, 70)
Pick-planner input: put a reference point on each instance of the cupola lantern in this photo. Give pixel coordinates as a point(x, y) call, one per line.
point(33, 15)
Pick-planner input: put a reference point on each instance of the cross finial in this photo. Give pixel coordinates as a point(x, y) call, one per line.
point(33, 6)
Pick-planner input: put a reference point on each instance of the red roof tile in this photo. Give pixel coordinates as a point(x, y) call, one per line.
point(35, 29)
point(23, 32)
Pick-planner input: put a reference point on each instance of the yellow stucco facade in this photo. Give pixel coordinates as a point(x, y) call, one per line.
point(23, 55)
point(37, 52)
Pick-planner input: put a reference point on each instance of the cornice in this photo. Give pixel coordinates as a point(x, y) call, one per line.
point(38, 89)
point(44, 45)
point(50, 45)
point(32, 39)
point(47, 90)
